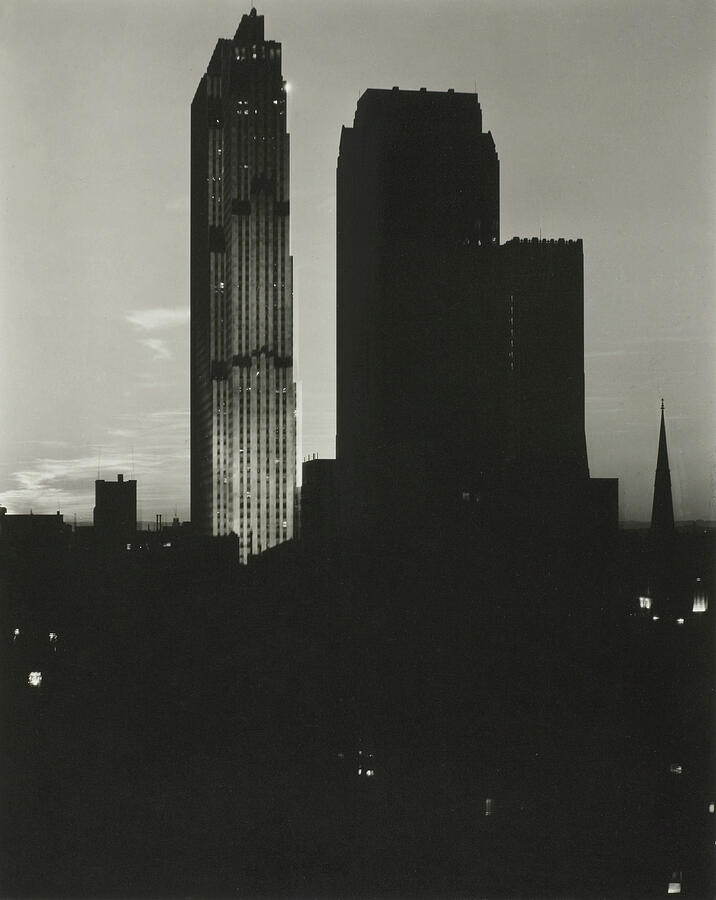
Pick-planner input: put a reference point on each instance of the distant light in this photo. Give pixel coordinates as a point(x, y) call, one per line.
point(645, 602)
point(675, 769)
point(674, 887)
point(169, 543)
point(679, 621)
point(712, 807)
point(360, 771)
point(34, 679)
point(288, 87)
point(701, 602)
point(488, 806)
point(128, 547)
point(16, 632)
point(655, 618)
point(53, 637)
point(370, 773)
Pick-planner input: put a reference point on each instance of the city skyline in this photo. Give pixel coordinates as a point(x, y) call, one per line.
point(605, 133)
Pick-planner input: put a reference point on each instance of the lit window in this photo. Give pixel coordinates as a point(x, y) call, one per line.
point(701, 602)
point(488, 806)
point(34, 679)
point(370, 773)
point(645, 602)
point(712, 807)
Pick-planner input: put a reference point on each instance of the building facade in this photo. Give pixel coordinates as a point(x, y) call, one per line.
point(243, 430)
point(115, 510)
point(460, 360)
point(417, 214)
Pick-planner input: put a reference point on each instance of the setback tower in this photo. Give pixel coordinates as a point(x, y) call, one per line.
point(243, 434)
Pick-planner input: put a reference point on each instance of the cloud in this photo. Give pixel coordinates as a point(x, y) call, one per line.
point(153, 448)
point(158, 319)
point(160, 347)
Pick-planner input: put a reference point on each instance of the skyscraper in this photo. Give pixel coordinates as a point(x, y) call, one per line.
point(417, 213)
point(243, 434)
point(460, 360)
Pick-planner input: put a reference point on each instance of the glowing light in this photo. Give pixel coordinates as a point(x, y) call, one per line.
point(53, 637)
point(674, 887)
point(16, 634)
point(675, 769)
point(128, 547)
point(360, 771)
point(288, 87)
point(370, 773)
point(701, 601)
point(679, 621)
point(644, 602)
point(488, 806)
point(655, 618)
point(34, 679)
point(712, 807)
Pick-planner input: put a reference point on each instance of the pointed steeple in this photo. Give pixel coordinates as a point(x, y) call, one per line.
point(662, 510)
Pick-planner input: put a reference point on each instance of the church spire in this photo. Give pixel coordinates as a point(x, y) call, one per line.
point(662, 510)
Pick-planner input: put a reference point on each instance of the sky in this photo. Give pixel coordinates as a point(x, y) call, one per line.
point(603, 116)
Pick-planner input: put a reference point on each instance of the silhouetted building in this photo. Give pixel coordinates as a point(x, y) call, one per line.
point(115, 510)
point(460, 361)
point(662, 509)
point(603, 501)
point(418, 212)
point(243, 457)
point(318, 503)
point(29, 533)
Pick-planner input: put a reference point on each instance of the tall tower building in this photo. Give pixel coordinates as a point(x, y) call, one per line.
point(243, 431)
point(460, 360)
point(417, 235)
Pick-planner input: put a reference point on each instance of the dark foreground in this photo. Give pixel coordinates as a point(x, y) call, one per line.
point(403, 730)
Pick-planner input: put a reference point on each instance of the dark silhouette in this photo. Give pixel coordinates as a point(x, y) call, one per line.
point(662, 509)
point(115, 512)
